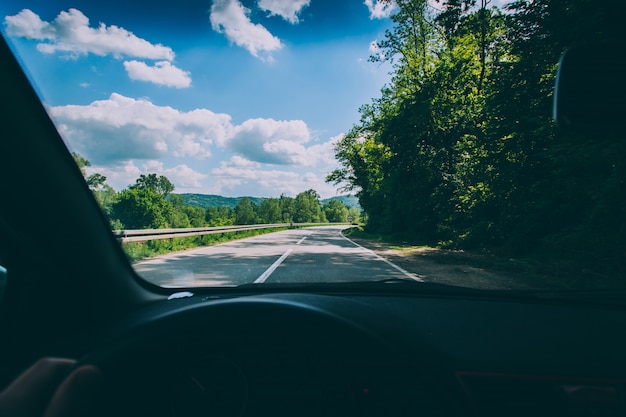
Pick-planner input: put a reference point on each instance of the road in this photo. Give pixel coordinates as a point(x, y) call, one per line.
point(318, 254)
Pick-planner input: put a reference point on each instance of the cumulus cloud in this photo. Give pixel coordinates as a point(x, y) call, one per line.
point(380, 10)
point(325, 152)
point(279, 181)
point(70, 32)
point(162, 73)
point(231, 18)
point(239, 161)
point(122, 128)
point(119, 175)
point(267, 182)
point(287, 9)
point(182, 176)
point(271, 141)
point(29, 25)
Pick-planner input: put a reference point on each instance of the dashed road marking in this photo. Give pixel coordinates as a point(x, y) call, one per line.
point(272, 268)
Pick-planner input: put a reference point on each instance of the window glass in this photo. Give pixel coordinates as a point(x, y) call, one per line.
point(235, 142)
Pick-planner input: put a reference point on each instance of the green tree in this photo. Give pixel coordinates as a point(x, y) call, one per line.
point(159, 184)
point(336, 211)
point(219, 216)
point(270, 212)
point(196, 216)
point(286, 205)
point(139, 208)
point(245, 212)
point(81, 162)
point(307, 208)
point(105, 195)
point(355, 214)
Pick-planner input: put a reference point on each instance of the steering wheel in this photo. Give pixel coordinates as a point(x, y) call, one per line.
point(257, 355)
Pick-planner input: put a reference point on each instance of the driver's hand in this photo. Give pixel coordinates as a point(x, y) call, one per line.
point(46, 390)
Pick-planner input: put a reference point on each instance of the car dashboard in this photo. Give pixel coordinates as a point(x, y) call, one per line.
point(383, 355)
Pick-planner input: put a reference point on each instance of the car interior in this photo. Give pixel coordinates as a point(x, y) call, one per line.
point(255, 350)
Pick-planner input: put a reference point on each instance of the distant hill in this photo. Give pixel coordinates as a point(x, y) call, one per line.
point(210, 200)
point(348, 200)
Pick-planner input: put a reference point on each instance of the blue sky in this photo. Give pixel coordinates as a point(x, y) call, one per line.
point(230, 97)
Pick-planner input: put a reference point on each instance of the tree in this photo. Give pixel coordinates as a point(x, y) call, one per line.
point(355, 214)
point(196, 215)
point(142, 208)
point(336, 211)
point(105, 195)
point(244, 212)
point(159, 184)
point(81, 162)
point(307, 208)
point(286, 205)
point(95, 181)
point(219, 216)
point(270, 212)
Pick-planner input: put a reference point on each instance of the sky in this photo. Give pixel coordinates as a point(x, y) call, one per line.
point(229, 97)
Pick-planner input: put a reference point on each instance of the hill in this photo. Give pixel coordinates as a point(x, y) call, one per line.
point(348, 200)
point(210, 200)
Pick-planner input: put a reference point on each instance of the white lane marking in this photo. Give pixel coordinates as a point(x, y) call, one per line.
point(272, 268)
point(300, 241)
point(416, 277)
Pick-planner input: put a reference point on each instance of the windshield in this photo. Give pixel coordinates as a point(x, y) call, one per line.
point(235, 142)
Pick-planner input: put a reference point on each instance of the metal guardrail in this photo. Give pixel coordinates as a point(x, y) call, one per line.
point(151, 234)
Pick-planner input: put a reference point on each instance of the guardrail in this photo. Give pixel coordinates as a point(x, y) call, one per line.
point(151, 234)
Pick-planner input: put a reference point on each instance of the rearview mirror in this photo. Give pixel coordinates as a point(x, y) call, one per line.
point(590, 88)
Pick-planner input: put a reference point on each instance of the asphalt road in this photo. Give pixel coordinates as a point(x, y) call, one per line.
point(318, 254)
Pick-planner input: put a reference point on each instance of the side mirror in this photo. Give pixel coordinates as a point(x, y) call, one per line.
point(590, 91)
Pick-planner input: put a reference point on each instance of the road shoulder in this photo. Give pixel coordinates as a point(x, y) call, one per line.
point(458, 268)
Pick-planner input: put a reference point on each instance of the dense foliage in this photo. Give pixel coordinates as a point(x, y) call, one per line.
point(460, 150)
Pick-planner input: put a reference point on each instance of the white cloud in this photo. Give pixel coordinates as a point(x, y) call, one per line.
point(162, 73)
point(380, 10)
point(287, 9)
point(239, 161)
point(182, 176)
point(271, 141)
point(118, 175)
point(121, 175)
point(230, 17)
point(374, 48)
point(227, 177)
point(29, 25)
point(325, 152)
point(70, 32)
point(122, 128)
